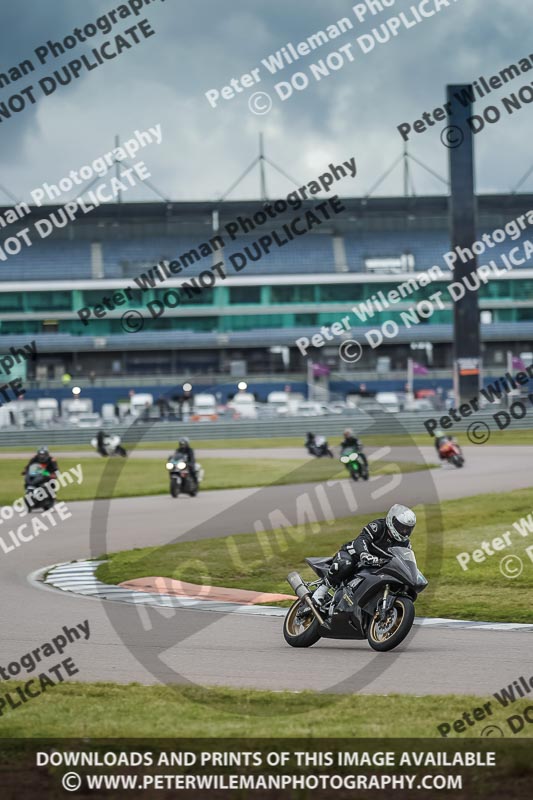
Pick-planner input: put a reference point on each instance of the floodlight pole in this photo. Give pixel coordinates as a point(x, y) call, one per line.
point(466, 333)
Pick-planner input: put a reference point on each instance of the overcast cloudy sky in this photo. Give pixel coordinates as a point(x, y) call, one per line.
point(202, 44)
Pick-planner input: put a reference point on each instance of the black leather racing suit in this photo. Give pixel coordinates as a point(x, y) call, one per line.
point(50, 464)
point(374, 540)
point(188, 453)
point(100, 443)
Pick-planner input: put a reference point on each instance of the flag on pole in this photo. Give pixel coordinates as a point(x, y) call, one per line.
point(419, 369)
point(320, 370)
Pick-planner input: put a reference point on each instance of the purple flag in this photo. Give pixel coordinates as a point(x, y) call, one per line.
point(419, 369)
point(320, 370)
point(517, 363)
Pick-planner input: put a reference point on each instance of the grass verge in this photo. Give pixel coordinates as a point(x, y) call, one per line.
point(148, 476)
point(261, 561)
point(103, 710)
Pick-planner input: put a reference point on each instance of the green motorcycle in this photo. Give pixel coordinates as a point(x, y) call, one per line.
point(356, 467)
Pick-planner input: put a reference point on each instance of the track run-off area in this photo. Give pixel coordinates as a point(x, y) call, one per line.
point(239, 650)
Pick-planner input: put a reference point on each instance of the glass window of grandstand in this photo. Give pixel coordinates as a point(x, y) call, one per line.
point(11, 301)
point(301, 320)
point(505, 290)
point(49, 301)
point(196, 296)
point(252, 321)
point(338, 293)
point(245, 294)
point(97, 298)
point(292, 294)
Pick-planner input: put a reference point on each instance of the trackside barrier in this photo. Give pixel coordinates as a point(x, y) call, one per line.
point(386, 424)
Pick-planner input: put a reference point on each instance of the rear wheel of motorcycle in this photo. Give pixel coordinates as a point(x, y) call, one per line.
point(174, 488)
point(303, 631)
point(386, 638)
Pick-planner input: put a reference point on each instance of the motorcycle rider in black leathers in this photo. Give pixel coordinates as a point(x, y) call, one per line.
point(309, 442)
point(370, 547)
point(185, 450)
point(350, 440)
point(100, 442)
point(43, 457)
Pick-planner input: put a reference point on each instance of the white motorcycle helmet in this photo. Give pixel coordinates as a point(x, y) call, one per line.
point(400, 522)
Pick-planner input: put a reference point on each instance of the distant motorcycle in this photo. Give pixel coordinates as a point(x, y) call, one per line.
point(318, 447)
point(353, 463)
point(450, 451)
point(181, 479)
point(376, 605)
point(36, 476)
point(112, 446)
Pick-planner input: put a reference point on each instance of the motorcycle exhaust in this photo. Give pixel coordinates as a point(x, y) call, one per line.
point(301, 591)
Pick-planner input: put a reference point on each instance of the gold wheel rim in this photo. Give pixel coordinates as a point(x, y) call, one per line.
point(295, 628)
point(382, 637)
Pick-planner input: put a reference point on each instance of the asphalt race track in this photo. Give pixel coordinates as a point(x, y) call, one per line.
point(171, 645)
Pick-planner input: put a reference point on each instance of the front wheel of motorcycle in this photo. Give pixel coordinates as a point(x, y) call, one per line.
point(300, 627)
point(386, 635)
point(174, 487)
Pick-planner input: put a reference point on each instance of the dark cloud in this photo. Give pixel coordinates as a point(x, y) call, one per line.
point(203, 44)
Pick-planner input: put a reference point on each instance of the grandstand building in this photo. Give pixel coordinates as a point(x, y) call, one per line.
point(205, 298)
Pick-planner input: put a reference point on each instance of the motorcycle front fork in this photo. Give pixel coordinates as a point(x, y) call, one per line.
point(383, 605)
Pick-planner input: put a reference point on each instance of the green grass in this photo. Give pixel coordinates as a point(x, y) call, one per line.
point(261, 561)
point(148, 476)
point(103, 710)
point(507, 437)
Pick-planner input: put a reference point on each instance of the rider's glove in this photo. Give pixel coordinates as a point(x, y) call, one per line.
point(369, 560)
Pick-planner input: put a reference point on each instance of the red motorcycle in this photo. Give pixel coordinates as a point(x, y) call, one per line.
point(450, 451)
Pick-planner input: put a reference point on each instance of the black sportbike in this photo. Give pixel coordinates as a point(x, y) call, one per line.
point(181, 477)
point(377, 604)
point(35, 479)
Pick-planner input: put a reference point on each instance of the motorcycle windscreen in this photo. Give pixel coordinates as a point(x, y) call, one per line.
point(407, 561)
point(35, 469)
